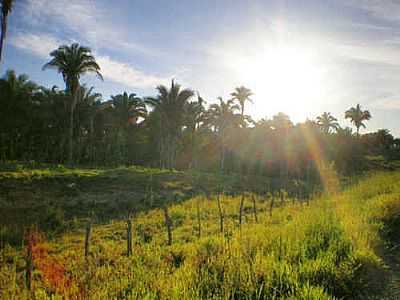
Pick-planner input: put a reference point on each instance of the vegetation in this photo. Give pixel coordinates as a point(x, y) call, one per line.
point(72, 62)
point(169, 107)
point(164, 197)
point(327, 122)
point(358, 116)
point(330, 248)
point(171, 130)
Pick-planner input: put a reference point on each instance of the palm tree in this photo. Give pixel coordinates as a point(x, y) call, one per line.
point(281, 122)
point(73, 62)
point(383, 139)
point(222, 117)
point(281, 125)
point(242, 95)
point(127, 109)
point(89, 104)
point(170, 106)
point(124, 110)
point(357, 116)
point(327, 122)
point(194, 117)
point(18, 84)
point(6, 6)
point(17, 100)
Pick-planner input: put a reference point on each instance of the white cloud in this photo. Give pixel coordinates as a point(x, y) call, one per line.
point(127, 75)
point(383, 9)
point(73, 12)
point(85, 19)
point(38, 44)
point(42, 44)
point(386, 104)
point(372, 53)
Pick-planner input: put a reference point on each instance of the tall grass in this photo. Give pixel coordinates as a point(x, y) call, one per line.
point(329, 249)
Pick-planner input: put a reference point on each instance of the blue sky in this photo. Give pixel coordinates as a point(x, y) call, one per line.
point(300, 57)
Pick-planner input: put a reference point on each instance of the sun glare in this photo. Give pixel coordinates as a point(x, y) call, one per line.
point(286, 79)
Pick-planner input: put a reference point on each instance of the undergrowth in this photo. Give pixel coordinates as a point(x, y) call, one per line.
point(327, 249)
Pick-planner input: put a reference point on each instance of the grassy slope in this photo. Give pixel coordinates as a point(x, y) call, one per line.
point(57, 198)
point(333, 247)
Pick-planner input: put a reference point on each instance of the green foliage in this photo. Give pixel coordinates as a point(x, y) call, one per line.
point(171, 130)
point(325, 250)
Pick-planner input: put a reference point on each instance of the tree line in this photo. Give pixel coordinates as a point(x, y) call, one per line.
point(174, 129)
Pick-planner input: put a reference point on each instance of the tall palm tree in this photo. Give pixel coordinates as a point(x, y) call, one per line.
point(242, 95)
point(222, 117)
point(357, 116)
point(327, 122)
point(170, 106)
point(88, 105)
point(91, 104)
point(6, 6)
point(18, 83)
point(194, 117)
point(281, 125)
point(72, 62)
point(17, 98)
point(123, 111)
point(127, 109)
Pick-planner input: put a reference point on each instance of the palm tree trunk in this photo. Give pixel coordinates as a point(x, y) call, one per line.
point(91, 142)
point(168, 153)
point(71, 126)
point(171, 152)
point(222, 159)
point(70, 136)
point(192, 159)
point(161, 146)
point(3, 33)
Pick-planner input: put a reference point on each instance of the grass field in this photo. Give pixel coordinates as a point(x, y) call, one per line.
point(332, 247)
point(58, 199)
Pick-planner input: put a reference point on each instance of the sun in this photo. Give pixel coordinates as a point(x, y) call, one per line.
point(283, 78)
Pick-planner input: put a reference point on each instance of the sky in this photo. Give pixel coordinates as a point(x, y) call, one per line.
point(300, 57)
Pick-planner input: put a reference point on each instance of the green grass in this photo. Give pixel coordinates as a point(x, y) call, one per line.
point(57, 198)
point(332, 248)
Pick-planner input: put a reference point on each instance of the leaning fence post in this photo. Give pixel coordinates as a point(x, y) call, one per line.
point(271, 204)
point(129, 236)
point(198, 218)
point(168, 224)
point(254, 208)
point(241, 210)
point(221, 215)
point(87, 238)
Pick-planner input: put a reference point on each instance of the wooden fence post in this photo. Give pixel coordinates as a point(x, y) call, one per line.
point(254, 208)
point(271, 206)
point(129, 236)
point(168, 224)
point(241, 210)
point(221, 215)
point(198, 218)
point(87, 238)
